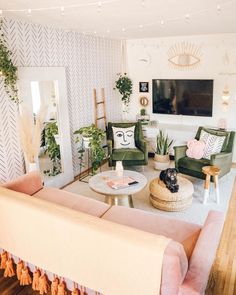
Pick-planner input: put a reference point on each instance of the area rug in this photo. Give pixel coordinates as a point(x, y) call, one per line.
point(196, 213)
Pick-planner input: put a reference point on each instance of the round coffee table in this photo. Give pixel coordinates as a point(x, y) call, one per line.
point(123, 196)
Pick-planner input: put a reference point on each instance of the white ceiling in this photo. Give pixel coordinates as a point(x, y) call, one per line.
point(124, 19)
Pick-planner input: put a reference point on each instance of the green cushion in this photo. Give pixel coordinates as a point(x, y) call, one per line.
point(127, 154)
point(193, 164)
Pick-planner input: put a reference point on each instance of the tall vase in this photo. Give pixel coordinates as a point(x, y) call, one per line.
point(119, 168)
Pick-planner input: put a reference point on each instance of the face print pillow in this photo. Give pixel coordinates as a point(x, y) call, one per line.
point(123, 137)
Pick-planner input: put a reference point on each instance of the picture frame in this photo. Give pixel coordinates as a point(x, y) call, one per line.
point(143, 87)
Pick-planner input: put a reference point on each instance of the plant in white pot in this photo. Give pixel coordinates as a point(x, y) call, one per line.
point(162, 158)
point(91, 137)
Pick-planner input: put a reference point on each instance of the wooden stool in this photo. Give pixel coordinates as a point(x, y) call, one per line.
point(211, 171)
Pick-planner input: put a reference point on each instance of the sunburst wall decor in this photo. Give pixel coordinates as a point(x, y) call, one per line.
point(184, 55)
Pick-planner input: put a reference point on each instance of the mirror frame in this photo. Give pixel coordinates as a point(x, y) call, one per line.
point(144, 101)
point(29, 74)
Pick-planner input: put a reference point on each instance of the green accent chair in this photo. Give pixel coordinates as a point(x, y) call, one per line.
point(129, 157)
point(193, 167)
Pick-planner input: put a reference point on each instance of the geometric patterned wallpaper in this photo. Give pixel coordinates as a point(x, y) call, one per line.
point(90, 62)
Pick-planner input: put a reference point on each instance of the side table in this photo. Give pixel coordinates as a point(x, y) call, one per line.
point(211, 171)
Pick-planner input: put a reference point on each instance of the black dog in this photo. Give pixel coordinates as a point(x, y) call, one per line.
point(169, 177)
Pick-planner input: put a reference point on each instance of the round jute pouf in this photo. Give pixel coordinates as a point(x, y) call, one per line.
point(161, 198)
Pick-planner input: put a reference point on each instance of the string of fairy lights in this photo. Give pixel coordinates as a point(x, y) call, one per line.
point(99, 5)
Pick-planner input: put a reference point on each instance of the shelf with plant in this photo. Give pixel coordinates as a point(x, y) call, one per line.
point(8, 71)
point(95, 137)
point(125, 86)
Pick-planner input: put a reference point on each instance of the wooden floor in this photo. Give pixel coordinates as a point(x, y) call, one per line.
point(11, 286)
point(222, 280)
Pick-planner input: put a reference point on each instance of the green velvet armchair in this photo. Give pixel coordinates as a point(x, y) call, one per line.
point(129, 157)
point(193, 167)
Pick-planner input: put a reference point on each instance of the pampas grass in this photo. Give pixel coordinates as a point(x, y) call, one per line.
point(30, 132)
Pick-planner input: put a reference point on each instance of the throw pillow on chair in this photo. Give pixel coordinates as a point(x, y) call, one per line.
point(123, 137)
point(195, 149)
point(214, 143)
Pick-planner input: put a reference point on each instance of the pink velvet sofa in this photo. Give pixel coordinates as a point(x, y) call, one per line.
point(189, 255)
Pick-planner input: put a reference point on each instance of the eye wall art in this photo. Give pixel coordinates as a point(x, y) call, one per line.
point(184, 56)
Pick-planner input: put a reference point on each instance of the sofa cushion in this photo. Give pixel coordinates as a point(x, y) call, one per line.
point(193, 164)
point(127, 154)
point(180, 231)
point(28, 183)
point(73, 201)
point(174, 268)
point(203, 255)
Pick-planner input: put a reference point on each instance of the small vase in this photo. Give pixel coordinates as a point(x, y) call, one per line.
point(119, 168)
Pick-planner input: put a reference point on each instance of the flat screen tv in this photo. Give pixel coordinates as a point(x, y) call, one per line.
point(182, 97)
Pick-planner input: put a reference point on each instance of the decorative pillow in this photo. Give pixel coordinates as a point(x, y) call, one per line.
point(123, 137)
point(213, 143)
point(195, 149)
point(220, 133)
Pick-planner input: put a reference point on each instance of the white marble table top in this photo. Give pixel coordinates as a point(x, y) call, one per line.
point(99, 185)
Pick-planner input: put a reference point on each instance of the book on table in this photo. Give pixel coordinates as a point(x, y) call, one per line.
point(123, 182)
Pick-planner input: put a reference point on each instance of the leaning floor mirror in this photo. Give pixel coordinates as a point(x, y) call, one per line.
point(43, 98)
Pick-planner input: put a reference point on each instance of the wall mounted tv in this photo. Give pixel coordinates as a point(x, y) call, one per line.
point(182, 97)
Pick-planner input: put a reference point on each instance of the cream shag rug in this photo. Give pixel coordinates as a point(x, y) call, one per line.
point(196, 213)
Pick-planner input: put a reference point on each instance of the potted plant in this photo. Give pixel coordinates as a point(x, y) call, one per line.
point(91, 137)
point(161, 158)
point(124, 85)
point(52, 148)
point(142, 112)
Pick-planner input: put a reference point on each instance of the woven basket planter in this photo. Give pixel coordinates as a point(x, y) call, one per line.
point(161, 162)
point(170, 206)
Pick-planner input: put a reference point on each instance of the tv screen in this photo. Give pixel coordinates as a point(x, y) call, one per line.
point(182, 97)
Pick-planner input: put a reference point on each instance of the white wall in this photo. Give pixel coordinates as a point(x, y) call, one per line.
point(218, 56)
point(90, 62)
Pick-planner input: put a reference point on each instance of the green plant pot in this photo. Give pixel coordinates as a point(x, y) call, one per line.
point(142, 112)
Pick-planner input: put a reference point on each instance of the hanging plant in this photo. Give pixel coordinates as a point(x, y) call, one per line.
point(124, 85)
point(7, 69)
